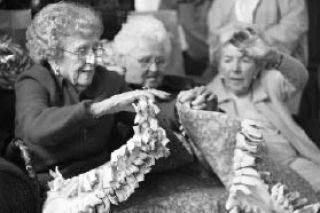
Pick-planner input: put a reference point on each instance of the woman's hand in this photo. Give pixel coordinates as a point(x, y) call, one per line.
point(123, 101)
point(262, 51)
point(198, 98)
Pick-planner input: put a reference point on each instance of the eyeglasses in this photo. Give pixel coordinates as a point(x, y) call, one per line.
point(147, 61)
point(83, 52)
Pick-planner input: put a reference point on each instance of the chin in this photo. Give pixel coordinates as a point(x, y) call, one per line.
point(85, 80)
point(237, 90)
point(152, 84)
point(240, 92)
point(84, 85)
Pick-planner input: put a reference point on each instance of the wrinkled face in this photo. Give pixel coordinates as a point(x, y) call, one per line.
point(77, 63)
point(237, 70)
point(145, 64)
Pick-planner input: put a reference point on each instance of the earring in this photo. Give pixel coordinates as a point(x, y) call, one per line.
point(56, 69)
point(256, 75)
point(221, 76)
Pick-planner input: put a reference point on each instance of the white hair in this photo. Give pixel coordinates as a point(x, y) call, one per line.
point(137, 30)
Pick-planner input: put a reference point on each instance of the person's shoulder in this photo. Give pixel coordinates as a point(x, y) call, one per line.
point(37, 72)
point(109, 79)
point(36, 75)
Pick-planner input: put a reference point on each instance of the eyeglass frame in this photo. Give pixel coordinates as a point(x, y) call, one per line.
point(153, 59)
point(95, 49)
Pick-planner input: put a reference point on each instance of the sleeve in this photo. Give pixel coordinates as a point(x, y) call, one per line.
point(291, 27)
point(38, 122)
point(289, 79)
point(126, 118)
point(294, 72)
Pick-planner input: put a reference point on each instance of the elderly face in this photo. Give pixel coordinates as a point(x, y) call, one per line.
point(77, 63)
point(237, 69)
point(145, 64)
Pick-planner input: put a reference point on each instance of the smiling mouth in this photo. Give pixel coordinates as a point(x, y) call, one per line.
point(87, 68)
point(151, 77)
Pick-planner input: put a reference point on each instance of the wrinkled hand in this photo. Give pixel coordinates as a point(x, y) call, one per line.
point(71, 205)
point(123, 101)
point(284, 201)
point(257, 48)
point(262, 51)
point(198, 98)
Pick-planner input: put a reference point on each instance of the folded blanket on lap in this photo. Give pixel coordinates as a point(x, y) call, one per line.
point(245, 170)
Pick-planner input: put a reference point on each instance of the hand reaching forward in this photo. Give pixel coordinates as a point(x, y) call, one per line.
point(123, 101)
point(198, 98)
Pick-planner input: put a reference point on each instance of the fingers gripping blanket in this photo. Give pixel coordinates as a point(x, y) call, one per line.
point(235, 151)
point(115, 181)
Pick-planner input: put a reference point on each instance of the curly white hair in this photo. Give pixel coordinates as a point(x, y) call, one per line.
point(139, 29)
point(57, 21)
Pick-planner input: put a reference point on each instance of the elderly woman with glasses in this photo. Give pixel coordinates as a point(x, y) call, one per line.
point(67, 105)
point(254, 81)
point(143, 48)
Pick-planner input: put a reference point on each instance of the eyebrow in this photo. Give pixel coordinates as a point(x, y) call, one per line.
point(227, 56)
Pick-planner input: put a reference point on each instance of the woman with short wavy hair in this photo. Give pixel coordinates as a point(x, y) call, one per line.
point(67, 106)
point(56, 22)
point(253, 82)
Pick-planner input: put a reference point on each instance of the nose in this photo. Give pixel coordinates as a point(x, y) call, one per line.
point(236, 66)
point(153, 67)
point(90, 57)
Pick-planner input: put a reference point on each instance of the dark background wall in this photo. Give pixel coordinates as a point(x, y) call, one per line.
point(113, 12)
point(310, 103)
point(314, 32)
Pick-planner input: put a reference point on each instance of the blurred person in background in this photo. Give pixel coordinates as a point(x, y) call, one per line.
point(65, 98)
point(285, 23)
point(192, 16)
point(254, 80)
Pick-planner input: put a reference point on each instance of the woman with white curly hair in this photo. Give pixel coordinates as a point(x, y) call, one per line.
point(143, 48)
point(67, 105)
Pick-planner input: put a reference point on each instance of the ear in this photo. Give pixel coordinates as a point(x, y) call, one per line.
point(256, 73)
point(221, 76)
point(260, 66)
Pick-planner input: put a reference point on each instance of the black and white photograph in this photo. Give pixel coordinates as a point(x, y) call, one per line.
point(159, 106)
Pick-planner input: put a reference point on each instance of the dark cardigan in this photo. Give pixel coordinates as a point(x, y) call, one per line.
point(17, 192)
point(54, 122)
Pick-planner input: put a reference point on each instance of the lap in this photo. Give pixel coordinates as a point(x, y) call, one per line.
point(308, 170)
